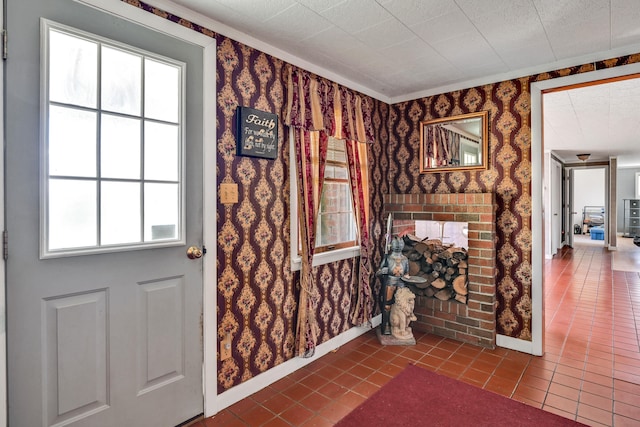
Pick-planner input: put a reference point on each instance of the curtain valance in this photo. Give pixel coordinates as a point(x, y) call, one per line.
point(316, 104)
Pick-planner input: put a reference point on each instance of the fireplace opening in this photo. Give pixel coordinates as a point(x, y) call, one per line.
point(438, 253)
point(449, 232)
point(475, 321)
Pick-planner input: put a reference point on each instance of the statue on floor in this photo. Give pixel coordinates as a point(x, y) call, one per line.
point(402, 314)
point(393, 268)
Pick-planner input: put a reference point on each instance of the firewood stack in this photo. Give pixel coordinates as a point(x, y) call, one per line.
point(443, 266)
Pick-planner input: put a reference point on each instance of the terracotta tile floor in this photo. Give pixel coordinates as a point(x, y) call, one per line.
point(590, 371)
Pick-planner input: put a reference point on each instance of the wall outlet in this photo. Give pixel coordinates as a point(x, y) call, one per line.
point(225, 347)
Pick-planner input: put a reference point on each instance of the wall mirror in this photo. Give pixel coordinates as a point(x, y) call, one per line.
point(455, 143)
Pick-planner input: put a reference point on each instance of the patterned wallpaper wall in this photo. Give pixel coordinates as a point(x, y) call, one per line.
point(256, 288)
point(509, 174)
point(257, 292)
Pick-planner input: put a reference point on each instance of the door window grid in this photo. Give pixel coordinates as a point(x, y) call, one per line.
point(114, 163)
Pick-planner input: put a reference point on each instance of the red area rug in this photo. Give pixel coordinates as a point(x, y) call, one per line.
point(417, 397)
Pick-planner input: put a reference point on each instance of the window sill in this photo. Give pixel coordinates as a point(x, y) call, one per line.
point(327, 257)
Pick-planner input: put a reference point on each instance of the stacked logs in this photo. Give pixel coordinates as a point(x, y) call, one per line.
point(443, 266)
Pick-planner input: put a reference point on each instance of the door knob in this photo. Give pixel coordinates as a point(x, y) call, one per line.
point(195, 252)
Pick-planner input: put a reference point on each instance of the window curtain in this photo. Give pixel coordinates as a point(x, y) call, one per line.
point(444, 147)
point(350, 125)
point(311, 156)
point(317, 109)
point(358, 169)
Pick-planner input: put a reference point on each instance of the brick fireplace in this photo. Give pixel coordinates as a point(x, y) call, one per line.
point(474, 322)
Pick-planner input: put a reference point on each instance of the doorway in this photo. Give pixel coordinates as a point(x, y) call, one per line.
point(538, 218)
point(589, 205)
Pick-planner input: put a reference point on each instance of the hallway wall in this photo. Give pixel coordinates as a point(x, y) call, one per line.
point(588, 190)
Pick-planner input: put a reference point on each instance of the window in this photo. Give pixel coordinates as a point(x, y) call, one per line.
point(112, 143)
point(336, 236)
point(336, 221)
point(470, 159)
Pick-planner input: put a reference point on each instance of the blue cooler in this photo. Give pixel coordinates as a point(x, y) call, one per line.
point(597, 233)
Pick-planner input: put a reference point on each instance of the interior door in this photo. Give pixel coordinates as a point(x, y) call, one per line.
point(108, 338)
point(571, 213)
point(556, 205)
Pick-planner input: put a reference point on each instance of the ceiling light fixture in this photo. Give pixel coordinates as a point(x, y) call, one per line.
point(583, 157)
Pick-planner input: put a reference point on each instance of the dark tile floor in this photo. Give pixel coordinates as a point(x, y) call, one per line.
point(590, 371)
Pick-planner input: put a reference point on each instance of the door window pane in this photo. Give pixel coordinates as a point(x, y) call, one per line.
point(113, 148)
point(161, 91)
point(160, 211)
point(72, 214)
point(120, 213)
point(72, 142)
point(160, 152)
point(121, 90)
point(73, 70)
point(120, 147)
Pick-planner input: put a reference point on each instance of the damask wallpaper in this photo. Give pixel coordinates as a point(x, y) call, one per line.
point(257, 292)
point(508, 175)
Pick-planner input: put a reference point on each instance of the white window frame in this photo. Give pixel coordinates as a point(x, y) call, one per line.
point(637, 185)
point(319, 258)
point(45, 27)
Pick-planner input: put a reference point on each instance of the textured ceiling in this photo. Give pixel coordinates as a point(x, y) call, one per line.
point(396, 50)
point(602, 120)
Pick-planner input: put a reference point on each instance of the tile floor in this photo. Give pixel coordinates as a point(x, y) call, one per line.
point(590, 371)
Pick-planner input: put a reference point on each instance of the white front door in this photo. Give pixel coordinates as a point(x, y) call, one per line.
point(103, 329)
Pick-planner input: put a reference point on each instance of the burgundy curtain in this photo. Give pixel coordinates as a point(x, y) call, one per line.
point(317, 109)
point(357, 158)
point(311, 156)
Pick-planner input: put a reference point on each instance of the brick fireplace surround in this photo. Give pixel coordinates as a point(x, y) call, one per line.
point(475, 322)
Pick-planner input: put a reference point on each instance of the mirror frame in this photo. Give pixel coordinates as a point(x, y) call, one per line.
point(484, 129)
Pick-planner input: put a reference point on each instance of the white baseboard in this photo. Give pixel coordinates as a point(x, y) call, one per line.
point(276, 373)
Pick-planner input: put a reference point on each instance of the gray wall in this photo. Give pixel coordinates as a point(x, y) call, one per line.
point(626, 190)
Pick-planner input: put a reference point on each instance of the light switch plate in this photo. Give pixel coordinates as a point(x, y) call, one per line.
point(228, 193)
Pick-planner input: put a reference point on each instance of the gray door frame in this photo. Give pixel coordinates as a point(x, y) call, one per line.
point(3, 280)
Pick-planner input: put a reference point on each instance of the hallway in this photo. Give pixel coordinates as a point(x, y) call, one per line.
point(590, 371)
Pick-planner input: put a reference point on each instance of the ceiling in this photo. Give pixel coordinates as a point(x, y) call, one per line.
point(602, 120)
point(397, 50)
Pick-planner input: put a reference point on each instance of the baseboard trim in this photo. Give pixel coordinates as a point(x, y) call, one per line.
point(247, 388)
